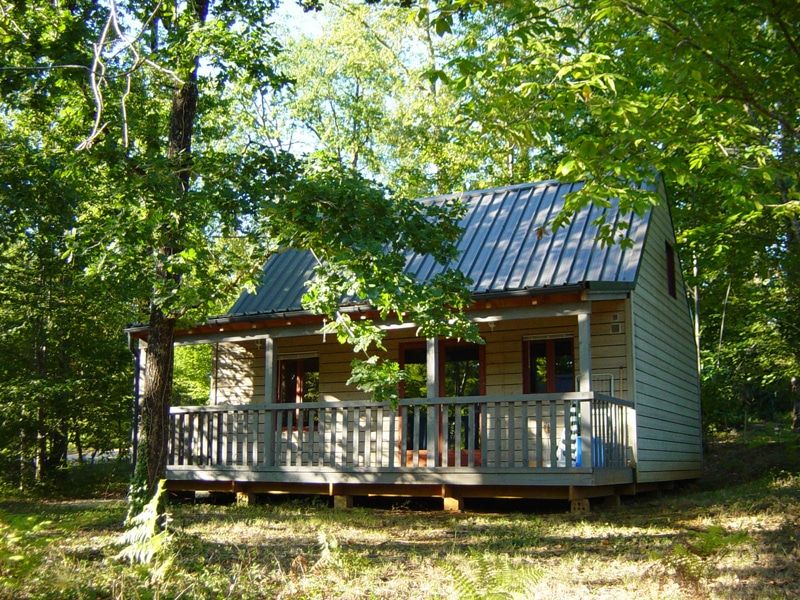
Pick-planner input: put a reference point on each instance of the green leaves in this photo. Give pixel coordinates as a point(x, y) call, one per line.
point(362, 238)
point(377, 378)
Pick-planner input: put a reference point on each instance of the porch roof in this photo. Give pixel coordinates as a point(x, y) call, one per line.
point(499, 250)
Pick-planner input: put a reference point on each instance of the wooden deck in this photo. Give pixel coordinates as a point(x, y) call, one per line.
point(492, 445)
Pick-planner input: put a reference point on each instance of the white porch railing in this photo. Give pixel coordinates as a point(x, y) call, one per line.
point(572, 432)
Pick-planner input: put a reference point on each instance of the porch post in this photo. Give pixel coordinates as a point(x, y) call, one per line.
point(585, 358)
point(432, 368)
point(585, 352)
point(269, 370)
point(432, 364)
point(138, 356)
point(269, 398)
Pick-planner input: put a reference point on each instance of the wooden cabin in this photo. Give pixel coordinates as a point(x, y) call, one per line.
point(586, 385)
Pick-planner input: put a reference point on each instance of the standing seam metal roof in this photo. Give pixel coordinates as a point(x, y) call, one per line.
point(500, 249)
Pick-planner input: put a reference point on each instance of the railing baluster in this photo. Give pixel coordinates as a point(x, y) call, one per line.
point(200, 439)
point(446, 437)
point(432, 441)
point(300, 437)
point(244, 437)
point(498, 432)
point(269, 439)
point(220, 439)
point(320, 433)
point(539, 436)
point(171, 448)
point(289, 460)
point(369, 432)
point(355, 455)
point(334, 442)
point(379, 449)
point(239, 441)
point(254, 414)
point(567, 435)
point(471, 424)
point(403, 422)
point(344, 436)
point(233, 432)
point(182, 447)
point(552, 406)
point(524, 432)
point(512, 434)
point(484, 433)
point(416, 436)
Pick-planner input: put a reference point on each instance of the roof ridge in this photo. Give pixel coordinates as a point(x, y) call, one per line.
point(494, 190)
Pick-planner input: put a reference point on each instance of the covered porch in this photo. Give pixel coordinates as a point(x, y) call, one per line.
point(507, 438)
point(532, 441)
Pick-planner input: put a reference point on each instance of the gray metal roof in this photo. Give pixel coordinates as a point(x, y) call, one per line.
point(499, 249)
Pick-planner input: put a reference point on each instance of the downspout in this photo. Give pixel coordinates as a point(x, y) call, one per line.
point(135, 407)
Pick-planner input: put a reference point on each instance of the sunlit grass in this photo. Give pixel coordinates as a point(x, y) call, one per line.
point(705, 540)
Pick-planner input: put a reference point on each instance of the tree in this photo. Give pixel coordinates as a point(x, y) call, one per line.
point(612, 92)
point(363, 93)
point(184, 214)
point(65, 371)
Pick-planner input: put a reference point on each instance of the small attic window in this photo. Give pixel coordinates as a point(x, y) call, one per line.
point(670, 254)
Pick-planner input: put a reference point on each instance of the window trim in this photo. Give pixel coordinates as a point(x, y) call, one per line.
point(443, 344)
point(296, 358)
point(401, 361)
point(282, 417)
point(526, 367)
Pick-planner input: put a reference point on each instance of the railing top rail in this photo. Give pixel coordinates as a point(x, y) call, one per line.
point(614, 400)
point(534, 398)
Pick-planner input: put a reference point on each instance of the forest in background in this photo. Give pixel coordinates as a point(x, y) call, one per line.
point(423, 98)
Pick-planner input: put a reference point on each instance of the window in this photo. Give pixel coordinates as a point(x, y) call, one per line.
point(461, 373)
point(413, 362)
point(549, 366)
point(298, 381)
point(670, 253)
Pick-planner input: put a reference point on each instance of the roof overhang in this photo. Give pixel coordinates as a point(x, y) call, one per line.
point(246, 325)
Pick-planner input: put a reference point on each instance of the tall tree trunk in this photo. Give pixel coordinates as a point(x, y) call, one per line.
point(157, 389)
point(40, 358)
point(41, 444)
point(78, 443)
point(24, 462)
point(155, 399)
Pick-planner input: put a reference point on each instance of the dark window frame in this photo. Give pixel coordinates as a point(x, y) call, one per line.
point(401, 351)
point(300, 364)
point(549, 342)
point(443, 345)
point(417, 345)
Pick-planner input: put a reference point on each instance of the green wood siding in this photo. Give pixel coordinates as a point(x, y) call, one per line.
point(668, 426)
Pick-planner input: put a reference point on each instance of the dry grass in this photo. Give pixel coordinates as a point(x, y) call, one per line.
point(708, 540)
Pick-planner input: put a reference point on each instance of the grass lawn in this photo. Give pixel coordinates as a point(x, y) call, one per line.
point(734, 534)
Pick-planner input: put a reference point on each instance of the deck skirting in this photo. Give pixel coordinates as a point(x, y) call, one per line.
point(422, 477)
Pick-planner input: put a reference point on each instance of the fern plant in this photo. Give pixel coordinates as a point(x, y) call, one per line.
point(488, 578)
point(692, 558)
point(148, 537)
